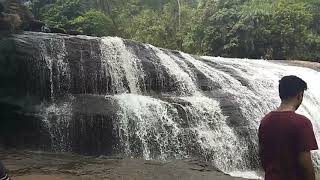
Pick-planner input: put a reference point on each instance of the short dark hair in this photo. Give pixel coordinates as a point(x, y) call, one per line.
point(290, 86)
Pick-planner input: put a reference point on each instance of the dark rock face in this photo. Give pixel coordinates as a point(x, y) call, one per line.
point(58, 30)
point(9, 23)
point(35, 25)
point(14, 16)
point(21, 130)
point(112, 96)
point(16, 7)
point(60, 73)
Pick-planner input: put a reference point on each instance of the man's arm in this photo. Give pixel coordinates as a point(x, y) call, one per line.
point(307, 166)
point(305, 143)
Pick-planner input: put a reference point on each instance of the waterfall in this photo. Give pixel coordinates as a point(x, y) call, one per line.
point(57, 118)
point(270, 73)
point(114, 96)
point(123, 66)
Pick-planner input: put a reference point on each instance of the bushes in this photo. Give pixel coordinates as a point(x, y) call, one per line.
point(267, 29)
point(94, 23)
point(261, 29)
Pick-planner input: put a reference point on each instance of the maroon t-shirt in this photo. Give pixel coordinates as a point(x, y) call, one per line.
point(282, 136)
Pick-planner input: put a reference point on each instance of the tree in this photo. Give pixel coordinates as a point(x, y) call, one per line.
point(232, 28)
point(290, 26)
point(60, 14)
point(93, 23)
point(255, 28)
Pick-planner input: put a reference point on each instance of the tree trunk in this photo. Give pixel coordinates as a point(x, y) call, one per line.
point(179, 14)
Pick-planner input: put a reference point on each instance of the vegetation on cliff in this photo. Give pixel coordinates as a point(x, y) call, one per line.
point(267, 29)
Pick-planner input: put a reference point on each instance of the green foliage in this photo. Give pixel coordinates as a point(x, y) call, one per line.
point(161, 23)
point(254, 28)
point(60, 14)
point(281, 29)
point(94, 23)
point(73, 15)
point(147, 27)
point(290, 28)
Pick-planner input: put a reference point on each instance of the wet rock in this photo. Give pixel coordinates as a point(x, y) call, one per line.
point(35, 25)
point(16, 8)
point(9, 23)
point(73, 32)
point(58, 30)
point(77, 94)
point(39, 165)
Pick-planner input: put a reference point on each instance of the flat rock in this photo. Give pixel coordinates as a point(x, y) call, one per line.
point(27, 165)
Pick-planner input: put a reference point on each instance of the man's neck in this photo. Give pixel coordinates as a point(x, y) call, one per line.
point(286, 107)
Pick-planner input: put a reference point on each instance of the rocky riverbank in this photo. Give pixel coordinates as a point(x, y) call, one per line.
point(109, 96)
point(27, 165)
point(307, 64)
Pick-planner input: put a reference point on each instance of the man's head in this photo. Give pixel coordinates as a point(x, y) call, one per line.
point(291, 89)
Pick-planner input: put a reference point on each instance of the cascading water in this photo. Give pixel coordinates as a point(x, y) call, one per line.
point(114, 96)
point(57, 119)
point(123, 66)
point(264, 76)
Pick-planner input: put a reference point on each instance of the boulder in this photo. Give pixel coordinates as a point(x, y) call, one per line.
point(9, 23)
point(58, 30)
point(35, 26)
point(16, 7)
point(73, 32)
point(16, 16)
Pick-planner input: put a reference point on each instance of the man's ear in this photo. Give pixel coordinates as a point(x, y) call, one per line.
point(300, 95)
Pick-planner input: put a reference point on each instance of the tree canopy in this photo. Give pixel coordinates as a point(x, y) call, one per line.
point(280, 29)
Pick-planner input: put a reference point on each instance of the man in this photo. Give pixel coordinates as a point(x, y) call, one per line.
point(3, 174)
point(286, 138)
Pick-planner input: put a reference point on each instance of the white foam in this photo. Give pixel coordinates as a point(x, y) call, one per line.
point(121, 64)
point(246, 174)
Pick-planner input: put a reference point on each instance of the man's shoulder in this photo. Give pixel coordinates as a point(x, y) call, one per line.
point(297, 118)
point(266, 119)
point(301, 119)
point(267, 116)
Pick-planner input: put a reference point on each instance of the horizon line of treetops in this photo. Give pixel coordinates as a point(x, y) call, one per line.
point(268, 29)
